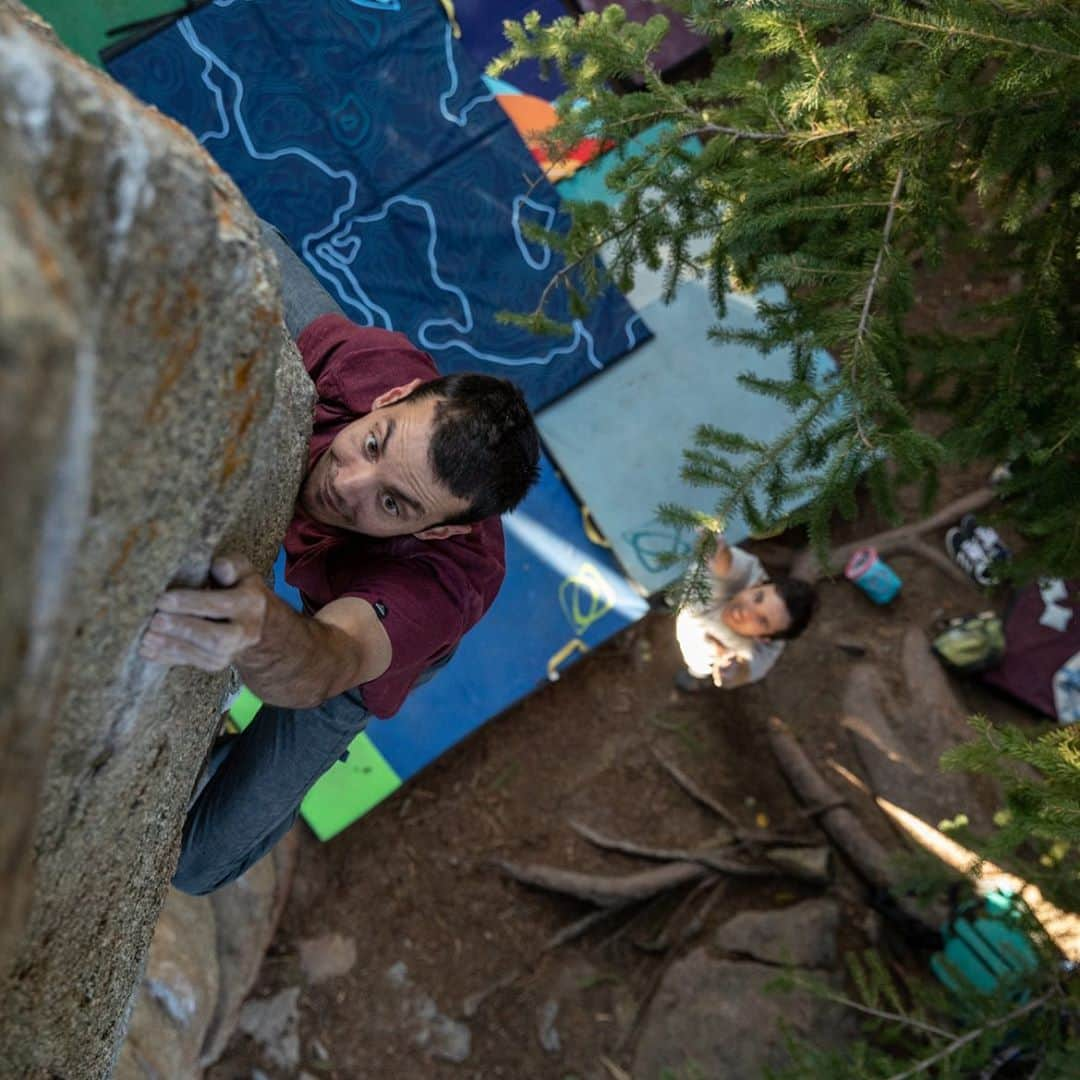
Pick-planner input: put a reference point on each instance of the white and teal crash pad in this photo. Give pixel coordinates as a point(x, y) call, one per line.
point(620, 437)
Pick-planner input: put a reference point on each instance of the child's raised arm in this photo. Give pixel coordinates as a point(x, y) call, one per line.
point(720, 562)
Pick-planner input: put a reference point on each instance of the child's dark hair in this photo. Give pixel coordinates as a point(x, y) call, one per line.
point(800, 598)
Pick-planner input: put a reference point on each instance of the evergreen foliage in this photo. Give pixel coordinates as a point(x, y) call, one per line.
point(847, 144)
point(1039, 826)
point(850, 148)
point(914, 1027)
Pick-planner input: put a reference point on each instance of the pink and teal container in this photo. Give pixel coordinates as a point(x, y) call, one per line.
point(876, 578)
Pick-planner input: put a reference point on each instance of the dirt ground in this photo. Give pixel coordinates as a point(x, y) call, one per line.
point(414, 881)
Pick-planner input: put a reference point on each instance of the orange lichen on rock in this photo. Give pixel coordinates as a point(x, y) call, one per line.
point(243, 374)
point(173, 368)
point(43, 254)
point(234, 456)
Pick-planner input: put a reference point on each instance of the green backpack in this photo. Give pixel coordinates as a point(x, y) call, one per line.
point(971, 643)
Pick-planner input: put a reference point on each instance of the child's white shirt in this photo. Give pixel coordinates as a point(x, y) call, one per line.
point(698, 622)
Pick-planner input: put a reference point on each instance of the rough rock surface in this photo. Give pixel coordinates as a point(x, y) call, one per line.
point(900, 737)
point(176, 995)
point(204, 958)
point(803, 934)
point(717, 1017)
point(152, 413)
point(274, 1023)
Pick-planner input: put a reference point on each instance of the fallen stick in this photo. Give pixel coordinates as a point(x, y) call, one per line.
point(695, 792)
point(744, 836)
point(579, 926)
point(602, 890)
point(663, 940)
point(644, 909)
point(809, 567)
point(869, 857)
point(712, 859)
point(697, 923)
point(472, 1003)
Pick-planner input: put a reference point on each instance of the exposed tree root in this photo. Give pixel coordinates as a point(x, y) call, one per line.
point(604, 890)
point(869, 857)
point(906, 538)
point(809, 864)
point(695, 792)
point(745, 837)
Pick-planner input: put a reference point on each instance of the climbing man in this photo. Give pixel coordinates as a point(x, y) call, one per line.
point(395, 546)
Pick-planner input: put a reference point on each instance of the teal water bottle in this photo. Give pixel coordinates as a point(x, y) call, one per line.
point(876, 578)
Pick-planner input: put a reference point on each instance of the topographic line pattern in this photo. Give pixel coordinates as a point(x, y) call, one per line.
point(361, 130)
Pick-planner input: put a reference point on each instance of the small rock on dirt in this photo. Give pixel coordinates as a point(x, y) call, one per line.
point(549, 1037)
point(327, 956)
point(432, 1030)
point(273, 1023)
point(803, 934)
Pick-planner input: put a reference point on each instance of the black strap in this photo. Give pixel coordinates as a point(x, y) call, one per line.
point(152, 21)
point(140, 29)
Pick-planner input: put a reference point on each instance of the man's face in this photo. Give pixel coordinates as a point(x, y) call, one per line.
point(376, 478)
point(757, 612)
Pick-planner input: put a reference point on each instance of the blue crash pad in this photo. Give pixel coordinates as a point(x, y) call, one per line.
point(366, 134)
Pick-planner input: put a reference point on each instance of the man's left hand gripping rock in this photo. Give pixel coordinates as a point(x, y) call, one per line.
point(209, 628)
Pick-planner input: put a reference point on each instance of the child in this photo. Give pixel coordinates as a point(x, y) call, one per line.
point(737, 633)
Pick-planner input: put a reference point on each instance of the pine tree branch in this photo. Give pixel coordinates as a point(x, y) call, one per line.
point(753, 471)
point(864, 318)
point(961, 32)
point(896, 131)
point(971, 1036)
point(896, 1018)
point(638, 118)
point(740, 133)
point(805, 137)
point(591, 250)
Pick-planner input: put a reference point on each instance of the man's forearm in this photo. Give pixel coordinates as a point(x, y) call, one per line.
point(287, 659)
point(298, 660)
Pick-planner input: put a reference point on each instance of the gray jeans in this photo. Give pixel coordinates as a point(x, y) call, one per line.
point(304, 299)
point(255, 783)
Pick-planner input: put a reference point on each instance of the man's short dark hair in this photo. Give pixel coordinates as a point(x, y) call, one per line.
point(800, 598)
point(486, 448)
